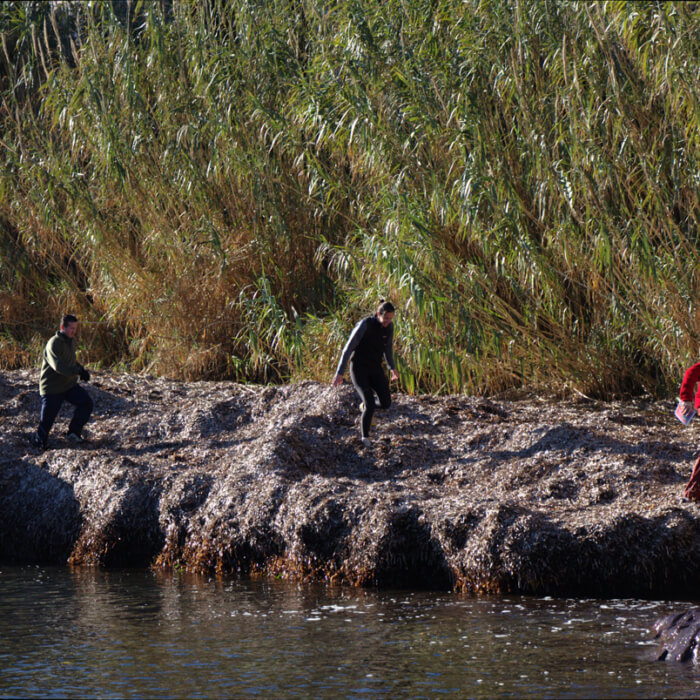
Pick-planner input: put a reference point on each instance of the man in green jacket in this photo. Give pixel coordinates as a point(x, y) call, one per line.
point(60, 372)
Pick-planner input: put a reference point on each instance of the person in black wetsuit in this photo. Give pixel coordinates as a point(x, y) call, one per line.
point(370, 340)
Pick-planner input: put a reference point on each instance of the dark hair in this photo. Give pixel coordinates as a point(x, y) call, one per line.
point(68, 318)
point(385, 307)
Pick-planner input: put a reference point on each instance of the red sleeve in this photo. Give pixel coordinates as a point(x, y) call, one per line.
point(690, 379)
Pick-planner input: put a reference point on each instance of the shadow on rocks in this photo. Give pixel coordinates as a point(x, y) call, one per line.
point(409, 556)
point(40, 515)
point(394, 547)
point(16, 403)
point(313, 446)
point(515, 550)
point(568, 438)
point(124, 530)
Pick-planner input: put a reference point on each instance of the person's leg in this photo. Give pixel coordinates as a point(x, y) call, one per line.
point(692, 488)
point(362, 386)
point(380, 384)
point(83, 408)
point(50, 406)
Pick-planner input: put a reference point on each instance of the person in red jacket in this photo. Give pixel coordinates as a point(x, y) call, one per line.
point(690, 401)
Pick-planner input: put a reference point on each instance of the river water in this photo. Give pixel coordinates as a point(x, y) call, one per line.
point(67, 633)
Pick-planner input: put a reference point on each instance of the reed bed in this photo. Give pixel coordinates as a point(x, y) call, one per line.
point(222, 189)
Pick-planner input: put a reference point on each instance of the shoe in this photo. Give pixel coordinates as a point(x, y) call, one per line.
point(78, 439)
point(366, 442)
point(38, 442)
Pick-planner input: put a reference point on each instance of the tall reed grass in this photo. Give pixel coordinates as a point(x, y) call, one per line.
point(223, 189)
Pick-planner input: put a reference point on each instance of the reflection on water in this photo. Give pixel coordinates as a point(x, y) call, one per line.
point(132, 633)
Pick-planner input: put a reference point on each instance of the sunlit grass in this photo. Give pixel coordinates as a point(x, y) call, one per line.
point(225, 193)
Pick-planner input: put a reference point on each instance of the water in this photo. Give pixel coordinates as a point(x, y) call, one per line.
point(139, 634)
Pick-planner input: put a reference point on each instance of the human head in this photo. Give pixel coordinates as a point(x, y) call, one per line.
point(385, 312)
point(69, 325)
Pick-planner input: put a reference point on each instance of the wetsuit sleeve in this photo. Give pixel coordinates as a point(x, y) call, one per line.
point(690, 379)
point(353, 341)
point(389, 348)
point(58, 361)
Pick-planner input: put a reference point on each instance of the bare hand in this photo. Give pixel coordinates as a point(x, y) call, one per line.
point(686, 407)
point(394, 375)
point(337, 380)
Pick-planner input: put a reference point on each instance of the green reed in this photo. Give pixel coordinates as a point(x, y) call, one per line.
point(224, 190)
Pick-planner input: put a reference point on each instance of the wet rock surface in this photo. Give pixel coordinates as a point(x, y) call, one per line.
point(535, 495)
point(678, 636)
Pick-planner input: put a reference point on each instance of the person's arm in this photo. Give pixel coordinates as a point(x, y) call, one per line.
point(389, 354)
point(389, 349)
point(690, 379)
point(59, 362)
point(353, 341)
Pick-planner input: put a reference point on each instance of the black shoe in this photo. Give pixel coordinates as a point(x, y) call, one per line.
point(77, 439)
point(38, 442)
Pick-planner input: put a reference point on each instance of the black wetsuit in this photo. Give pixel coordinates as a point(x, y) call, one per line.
point(369, 342)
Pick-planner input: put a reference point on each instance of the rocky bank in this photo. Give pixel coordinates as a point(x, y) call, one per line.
point(536, 495)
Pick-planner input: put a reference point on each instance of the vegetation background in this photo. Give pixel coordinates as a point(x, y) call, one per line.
point(222, 188)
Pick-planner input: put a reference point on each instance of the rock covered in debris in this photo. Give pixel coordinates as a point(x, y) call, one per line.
point(536, 495)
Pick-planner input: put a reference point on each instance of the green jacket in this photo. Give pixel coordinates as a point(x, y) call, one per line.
point(59, 370)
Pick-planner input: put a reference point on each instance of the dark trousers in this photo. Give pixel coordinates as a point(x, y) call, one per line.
point(692, 488)
point(368, 381)
point(51, 403)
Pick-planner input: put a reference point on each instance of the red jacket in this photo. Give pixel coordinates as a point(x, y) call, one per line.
point(690, 379)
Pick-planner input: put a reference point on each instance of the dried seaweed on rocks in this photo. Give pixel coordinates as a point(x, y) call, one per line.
point(535, 495)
